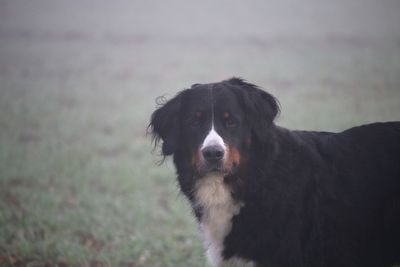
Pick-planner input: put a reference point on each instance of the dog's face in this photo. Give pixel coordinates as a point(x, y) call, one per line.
point(212, 126)
point(213, 129)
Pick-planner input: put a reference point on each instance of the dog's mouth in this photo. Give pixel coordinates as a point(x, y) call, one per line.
point(213, 168)
point(221, 167)
point(216, 168)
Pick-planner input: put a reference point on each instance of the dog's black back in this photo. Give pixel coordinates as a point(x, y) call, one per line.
point(327, 199)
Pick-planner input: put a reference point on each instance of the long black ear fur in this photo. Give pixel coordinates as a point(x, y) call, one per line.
point(261, 107)
point(164, 124)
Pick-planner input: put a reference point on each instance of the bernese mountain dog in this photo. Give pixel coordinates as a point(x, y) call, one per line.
point(264, 195)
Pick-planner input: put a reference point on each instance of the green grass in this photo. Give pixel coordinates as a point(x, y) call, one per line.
point(79, 183)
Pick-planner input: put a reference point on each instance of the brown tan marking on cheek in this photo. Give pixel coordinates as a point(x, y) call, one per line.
point(233, 157)
point(196, 159)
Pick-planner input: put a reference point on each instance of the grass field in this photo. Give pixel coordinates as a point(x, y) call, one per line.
point(79, 183)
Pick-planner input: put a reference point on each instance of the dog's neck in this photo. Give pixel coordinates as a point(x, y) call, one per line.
point(213, 196)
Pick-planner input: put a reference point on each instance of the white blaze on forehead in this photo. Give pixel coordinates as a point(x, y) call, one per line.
point(213, 139)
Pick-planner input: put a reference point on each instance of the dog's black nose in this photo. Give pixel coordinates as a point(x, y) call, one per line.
point(213, 153)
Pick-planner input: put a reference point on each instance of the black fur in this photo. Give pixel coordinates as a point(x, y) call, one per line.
point(310, 198)
point(165, 124)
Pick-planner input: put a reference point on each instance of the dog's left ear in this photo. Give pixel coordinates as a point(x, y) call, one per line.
point(164, 124)
point(261, 107)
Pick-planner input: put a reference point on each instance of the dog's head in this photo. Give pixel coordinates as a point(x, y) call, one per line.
point(213, 126)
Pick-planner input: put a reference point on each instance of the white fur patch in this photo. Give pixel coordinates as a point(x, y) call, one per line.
point(214, 196)
point(212, 139)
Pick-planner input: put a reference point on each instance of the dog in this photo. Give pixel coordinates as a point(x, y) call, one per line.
point(264, 195)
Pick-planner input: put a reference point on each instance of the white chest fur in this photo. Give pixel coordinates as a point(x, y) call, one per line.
point(218, 207)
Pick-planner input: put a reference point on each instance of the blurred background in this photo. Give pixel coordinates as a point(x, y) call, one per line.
point(79, 183)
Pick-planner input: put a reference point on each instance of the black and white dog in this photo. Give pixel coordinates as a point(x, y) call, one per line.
point(268, 196)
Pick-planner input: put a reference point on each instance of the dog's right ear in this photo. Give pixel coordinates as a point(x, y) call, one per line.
point(164, 124)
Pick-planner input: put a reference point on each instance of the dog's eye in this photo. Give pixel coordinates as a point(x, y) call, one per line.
point(198, 114)
point(195, 123)
point(196, 120)
point(229, 121)
point(230, 124)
